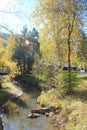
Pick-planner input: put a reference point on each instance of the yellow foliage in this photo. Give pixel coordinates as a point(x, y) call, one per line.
point(54, 18)
point(49, 99)
point(6, 54)
point(10, 46)
point(13, 68)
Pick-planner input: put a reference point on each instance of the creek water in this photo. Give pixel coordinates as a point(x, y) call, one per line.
point(17, 119)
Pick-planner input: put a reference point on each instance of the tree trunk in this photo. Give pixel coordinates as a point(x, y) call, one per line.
point(85, 68)
point(69, 63)
point(0, 84)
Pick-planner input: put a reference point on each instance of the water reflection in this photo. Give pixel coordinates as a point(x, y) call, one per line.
point(27, 124)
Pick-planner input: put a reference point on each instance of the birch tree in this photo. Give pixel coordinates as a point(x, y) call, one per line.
point(59, 31)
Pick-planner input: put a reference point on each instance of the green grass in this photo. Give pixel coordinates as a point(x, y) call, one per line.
point(49, 98)
point(7, 90)
point(76, 106)
point(37, 81)
point(9, 87)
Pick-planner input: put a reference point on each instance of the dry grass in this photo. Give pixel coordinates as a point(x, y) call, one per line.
point(74, 106)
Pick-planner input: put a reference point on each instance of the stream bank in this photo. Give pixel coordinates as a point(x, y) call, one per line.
point(16, 118)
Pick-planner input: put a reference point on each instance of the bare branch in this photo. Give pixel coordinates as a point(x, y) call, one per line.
point(6, 28)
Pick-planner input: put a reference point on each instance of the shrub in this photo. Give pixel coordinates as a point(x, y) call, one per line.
point(63, 80)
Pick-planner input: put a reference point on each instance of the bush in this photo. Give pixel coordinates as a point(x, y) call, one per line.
point(49, 99)
point(63, 80)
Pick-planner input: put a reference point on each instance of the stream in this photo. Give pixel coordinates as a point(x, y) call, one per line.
point(17, 119)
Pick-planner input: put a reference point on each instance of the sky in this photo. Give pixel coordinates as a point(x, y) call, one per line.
point(14, 14)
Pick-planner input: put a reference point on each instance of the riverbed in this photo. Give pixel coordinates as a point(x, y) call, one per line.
point(18, 120)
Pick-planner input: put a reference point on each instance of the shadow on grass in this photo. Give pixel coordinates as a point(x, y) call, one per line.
point(81, 91)
point(79, 94)
point(83, 77)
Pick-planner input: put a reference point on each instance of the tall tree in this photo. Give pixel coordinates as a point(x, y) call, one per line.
point(82, 53)
point(26, 47)
point(60, 32)
point(7, 56)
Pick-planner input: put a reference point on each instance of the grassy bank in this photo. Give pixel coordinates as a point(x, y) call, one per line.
point(9, 87)
point(74, 106)
point(7, 90)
